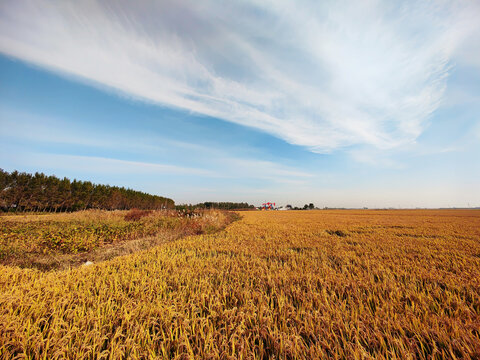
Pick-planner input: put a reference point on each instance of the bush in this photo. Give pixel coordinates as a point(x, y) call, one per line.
point(136, 214)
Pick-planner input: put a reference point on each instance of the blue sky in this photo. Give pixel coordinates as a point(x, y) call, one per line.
point(339, 103)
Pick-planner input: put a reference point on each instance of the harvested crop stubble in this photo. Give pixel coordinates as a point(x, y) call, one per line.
point(307, 284)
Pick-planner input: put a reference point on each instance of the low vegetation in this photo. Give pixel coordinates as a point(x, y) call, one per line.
point(48, 241)
point(283, 285)
point(217, 205)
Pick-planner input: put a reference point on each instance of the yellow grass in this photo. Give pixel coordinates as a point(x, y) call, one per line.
point(306, 284)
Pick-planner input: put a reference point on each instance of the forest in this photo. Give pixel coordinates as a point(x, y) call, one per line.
point(217, 205)
point(20, 191)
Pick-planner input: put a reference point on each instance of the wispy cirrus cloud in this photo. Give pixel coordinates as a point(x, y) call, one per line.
point(103, 165)
point(320, 75)
point(232, 168)
point(208, 161)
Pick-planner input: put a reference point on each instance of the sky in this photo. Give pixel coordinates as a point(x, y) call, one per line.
point(337, 103)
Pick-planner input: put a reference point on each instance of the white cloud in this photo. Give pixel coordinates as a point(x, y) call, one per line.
point(375, 157)
point(217, 162)
point(103, 165)
point(260, 169)
point(320, 75)
point(23, 125)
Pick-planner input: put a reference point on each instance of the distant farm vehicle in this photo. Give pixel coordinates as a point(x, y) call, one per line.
point(268, 206)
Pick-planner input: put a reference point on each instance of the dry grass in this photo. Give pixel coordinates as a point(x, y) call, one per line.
point(309, 284)
point(60, 241)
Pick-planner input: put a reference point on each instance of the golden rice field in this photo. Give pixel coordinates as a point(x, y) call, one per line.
point(273, 285)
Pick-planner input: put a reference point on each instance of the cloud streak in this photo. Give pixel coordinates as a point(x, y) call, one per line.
point(209, 161)
point(102, 165)
point(323, 76)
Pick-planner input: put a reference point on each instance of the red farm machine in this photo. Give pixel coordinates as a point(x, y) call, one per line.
point(268, 206)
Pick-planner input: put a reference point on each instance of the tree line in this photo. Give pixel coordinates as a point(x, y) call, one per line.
point(216, 205)
point(20, 191)
point(310, 206)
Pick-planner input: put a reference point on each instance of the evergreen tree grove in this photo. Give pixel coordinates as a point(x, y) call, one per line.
point(21, 191)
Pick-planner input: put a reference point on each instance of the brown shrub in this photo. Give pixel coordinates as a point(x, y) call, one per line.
point(136, 214)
